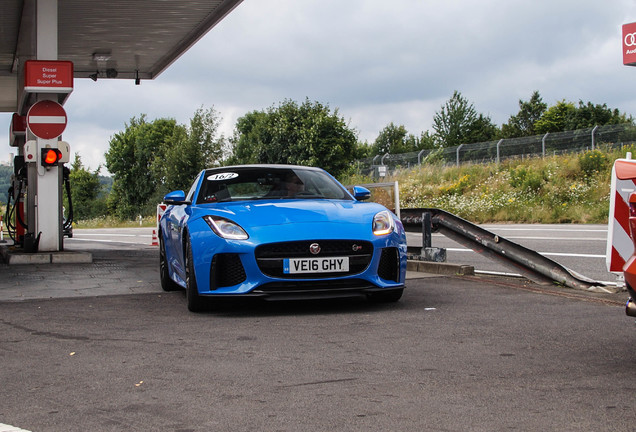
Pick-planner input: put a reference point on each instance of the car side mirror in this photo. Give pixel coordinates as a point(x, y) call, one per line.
point(175, 198)
point(361, 193)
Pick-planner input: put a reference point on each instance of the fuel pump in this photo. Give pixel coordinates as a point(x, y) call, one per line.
point(17, 226)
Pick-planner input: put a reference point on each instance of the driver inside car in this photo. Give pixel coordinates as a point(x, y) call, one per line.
point(287, 187)
point(293, 185)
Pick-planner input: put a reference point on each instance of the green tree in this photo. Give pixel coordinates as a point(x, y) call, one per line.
point(481, 130)
point(247, 136)
point(306, 134)
point(193, 149)
point(394, 140)
point(85, 189)
point(565, 116)
point(523, 123)
point(362, 150)
point(588, 115)
point(135, 159)
point(427, 141)
point(148, 159)
point(5, 183)
point(557, 118)
point(458, 123)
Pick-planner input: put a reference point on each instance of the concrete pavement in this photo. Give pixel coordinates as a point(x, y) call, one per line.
point(112, 271)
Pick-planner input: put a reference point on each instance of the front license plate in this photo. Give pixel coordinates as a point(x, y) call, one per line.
point(315, 265)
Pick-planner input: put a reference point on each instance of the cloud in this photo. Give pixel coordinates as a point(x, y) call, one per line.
point(377, 62)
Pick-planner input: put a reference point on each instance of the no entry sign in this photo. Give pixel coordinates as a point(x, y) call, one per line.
point(46, 119)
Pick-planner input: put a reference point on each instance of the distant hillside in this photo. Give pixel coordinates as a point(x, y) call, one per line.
point(107, 184)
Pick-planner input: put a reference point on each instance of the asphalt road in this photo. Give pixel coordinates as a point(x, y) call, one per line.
point(578, 247)
point(109, 238)
point(455, 354)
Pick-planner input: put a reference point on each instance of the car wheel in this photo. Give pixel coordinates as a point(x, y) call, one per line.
point(195, 302)
point(167, 284)
point(387, 297)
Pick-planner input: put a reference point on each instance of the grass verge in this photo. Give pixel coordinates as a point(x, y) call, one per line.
point(570, 188)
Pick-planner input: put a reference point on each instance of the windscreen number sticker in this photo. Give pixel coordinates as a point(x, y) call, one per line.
point(222, 176)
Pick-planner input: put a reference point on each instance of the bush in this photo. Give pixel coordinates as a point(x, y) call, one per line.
point(593, 162)
point(526, 179)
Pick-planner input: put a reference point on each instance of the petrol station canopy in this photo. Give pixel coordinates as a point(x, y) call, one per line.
point(113, 39)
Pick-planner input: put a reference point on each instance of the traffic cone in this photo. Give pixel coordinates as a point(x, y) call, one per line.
point(155, 241)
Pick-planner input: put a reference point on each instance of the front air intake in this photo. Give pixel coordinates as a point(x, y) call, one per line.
point(389, 265)
point(226, 270)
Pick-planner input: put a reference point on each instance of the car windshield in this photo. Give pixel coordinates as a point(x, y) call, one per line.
point(263, 183)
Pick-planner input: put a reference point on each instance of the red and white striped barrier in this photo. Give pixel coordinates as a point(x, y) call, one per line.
point(161, 208)
point(619, 243)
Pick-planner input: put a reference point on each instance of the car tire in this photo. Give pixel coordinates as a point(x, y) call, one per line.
point(167, 284)
point(194, 300)
point(387, 297)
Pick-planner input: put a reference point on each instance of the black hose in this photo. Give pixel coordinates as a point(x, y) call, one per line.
point(68, 223)
point(8, 214)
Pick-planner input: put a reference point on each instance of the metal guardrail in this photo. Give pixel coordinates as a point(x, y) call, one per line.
point(527, 262)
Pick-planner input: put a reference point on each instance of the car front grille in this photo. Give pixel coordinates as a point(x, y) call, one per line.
point(270, 256)
point(226, 270)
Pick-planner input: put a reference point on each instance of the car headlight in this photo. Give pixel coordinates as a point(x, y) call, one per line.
point(225, 228)
point(383, 223)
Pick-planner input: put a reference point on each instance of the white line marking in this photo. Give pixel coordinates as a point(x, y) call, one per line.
point(572, 255)
point(103, 241)
point(9, 428)
point(604, 239)
point(542, 253)
point(547, 229)
point(108, 235)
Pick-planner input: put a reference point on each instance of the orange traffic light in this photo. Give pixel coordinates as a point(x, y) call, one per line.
point(50, 157)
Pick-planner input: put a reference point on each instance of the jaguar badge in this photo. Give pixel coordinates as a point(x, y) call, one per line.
point(314, 248)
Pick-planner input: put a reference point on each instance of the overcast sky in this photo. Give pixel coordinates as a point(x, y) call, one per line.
point(376, 61)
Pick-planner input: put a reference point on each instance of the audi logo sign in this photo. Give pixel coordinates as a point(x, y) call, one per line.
point(629, 44)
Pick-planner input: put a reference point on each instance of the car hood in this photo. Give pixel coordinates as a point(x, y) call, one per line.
point(280, 212)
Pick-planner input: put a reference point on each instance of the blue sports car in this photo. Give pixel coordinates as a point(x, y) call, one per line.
point(279, 232)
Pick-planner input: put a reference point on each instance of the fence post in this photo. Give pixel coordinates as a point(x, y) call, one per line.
point(498, 143)
point(593, 131)
point(419, 157)
point(458, 149)
point(543, 144)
